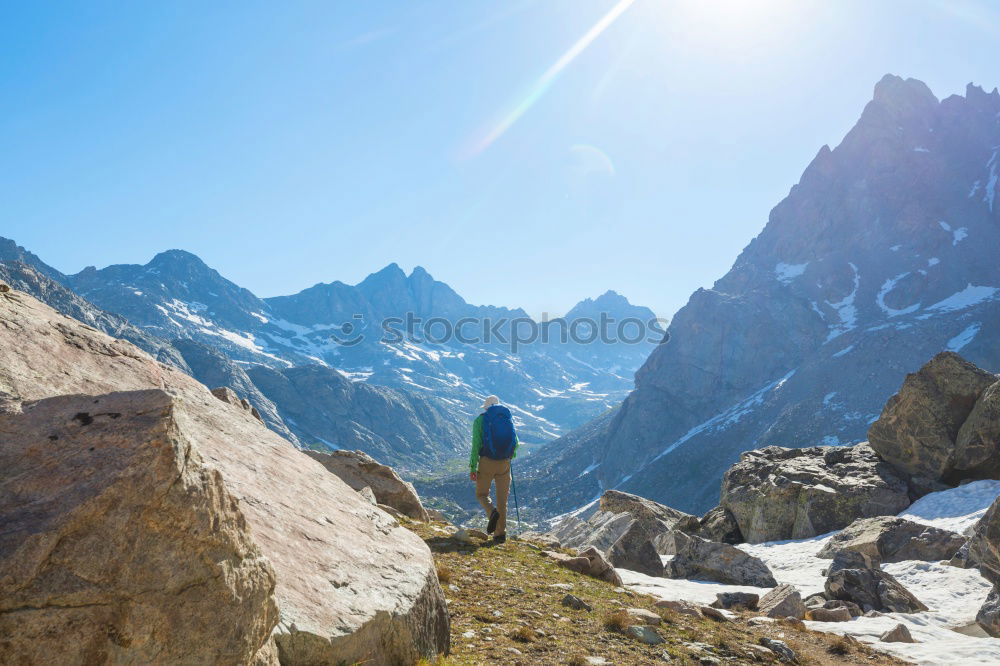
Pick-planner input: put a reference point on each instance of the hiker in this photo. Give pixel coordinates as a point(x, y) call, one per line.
point(494, 443)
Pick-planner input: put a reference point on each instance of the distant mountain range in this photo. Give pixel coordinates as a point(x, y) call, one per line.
point(405, 399)
point(886, 252)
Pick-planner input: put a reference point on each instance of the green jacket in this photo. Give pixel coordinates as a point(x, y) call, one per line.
point(477, 443)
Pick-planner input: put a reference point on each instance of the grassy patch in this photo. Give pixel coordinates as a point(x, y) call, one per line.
point(505, 607)
point(618, 621)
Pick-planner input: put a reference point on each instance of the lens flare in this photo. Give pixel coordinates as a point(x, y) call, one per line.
point(545, 81)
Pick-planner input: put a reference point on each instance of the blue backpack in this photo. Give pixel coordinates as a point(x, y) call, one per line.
point(498, 433)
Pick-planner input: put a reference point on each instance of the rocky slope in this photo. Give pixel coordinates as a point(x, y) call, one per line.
point(328, 411)
point(141, 503)
point(881, 256)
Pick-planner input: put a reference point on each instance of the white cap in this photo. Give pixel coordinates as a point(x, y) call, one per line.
point(490, 401)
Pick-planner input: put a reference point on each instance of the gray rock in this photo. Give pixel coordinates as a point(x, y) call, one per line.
point(829, 615)
point(856, 577)
point(781, 602)
point(600, 530)
point(776, 493)
point(682, 607)
point(815, 600)
point(977, 446)
point(898, 634)
point(851, 607)
point(780, 648)
point(640, 508)
point(644, 634)
point(635, 551)
point(718, 614)
point(984, 546)
point(359, 470)
point(698, 559)
point(580, 565)
point(730, 600)
point(616, 514)
point(962, 559)
point(988, 616)
point(720, 525)
point(919, 425)
point(367, 493)
point(644, 616)
point(892, 539)
point(600, 568)
point(576, 603)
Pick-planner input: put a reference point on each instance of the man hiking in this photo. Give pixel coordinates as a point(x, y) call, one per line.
point(494, 443)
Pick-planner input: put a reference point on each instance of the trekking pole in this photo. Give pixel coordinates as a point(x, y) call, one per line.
point(513, 486)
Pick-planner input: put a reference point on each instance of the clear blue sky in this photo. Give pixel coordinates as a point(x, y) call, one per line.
point(289, 143)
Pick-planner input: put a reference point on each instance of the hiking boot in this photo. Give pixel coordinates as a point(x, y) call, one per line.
point(500, 538)
point(492, 525)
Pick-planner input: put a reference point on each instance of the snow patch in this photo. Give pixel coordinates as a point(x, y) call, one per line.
point(888, 286)
point(971, 295)
point(955, 509)
point(847, 312)
point(963, 338)
point(729, 417)
point(788, 272)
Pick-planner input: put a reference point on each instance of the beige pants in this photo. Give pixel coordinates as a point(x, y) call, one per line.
point(489, 471)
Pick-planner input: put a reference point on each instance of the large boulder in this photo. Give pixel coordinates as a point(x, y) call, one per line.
point(640, 508)
point(699, 559)
point(783, 601)
point(119, 544)
point(919, 426)
point(893, 539)
point(858, 578)
point(600, 530)
point(977, 447)
point(988, 616)
point(984, 546)
point(778, 493)
point(634, 550)
point(719, 524)
point(349, 582)
point(359, 470)
point(600, 568)
point(616, 513)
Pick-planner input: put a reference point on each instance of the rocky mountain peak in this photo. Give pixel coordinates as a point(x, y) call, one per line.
point(882, 256)
point(390, 276)
point(894, 93)
point(611, 303)
point(173, 259)
point(11, 251)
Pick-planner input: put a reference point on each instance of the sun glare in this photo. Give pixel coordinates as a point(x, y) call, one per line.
point(727, 25)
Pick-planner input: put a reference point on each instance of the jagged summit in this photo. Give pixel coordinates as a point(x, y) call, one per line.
point(883, 255)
